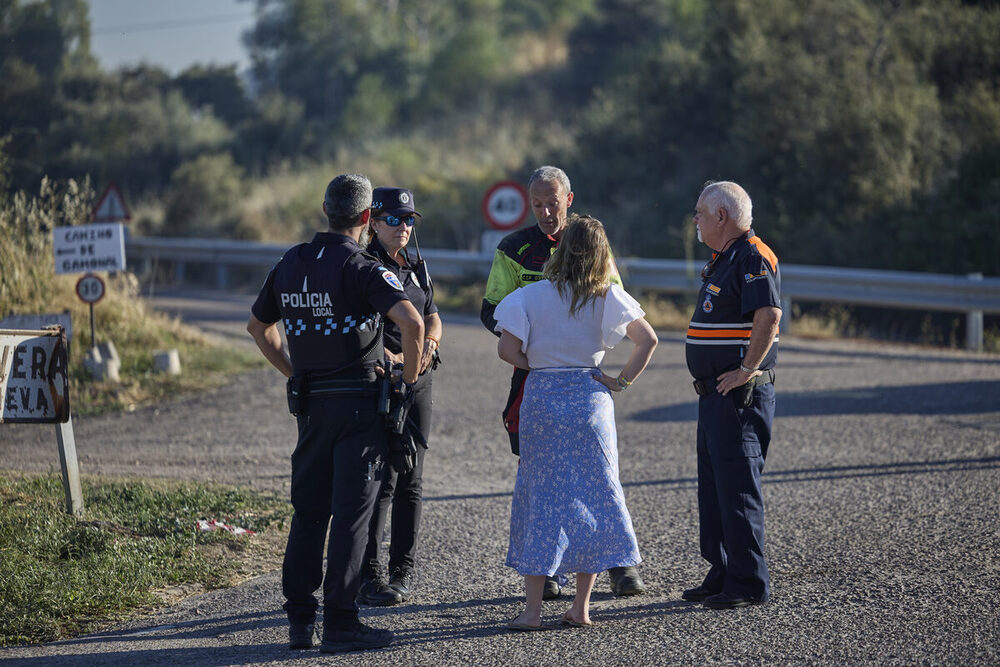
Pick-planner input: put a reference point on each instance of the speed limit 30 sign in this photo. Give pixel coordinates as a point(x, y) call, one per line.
point(90, 288)
point(505, 205)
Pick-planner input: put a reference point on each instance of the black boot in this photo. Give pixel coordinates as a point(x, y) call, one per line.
point(626, 581)
point(552, 590)
point(301, 635)
point(358, 638)
point(401, 582)
point(375, 591)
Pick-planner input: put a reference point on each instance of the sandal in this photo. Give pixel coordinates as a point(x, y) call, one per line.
point(514, 626)
point(570, 621)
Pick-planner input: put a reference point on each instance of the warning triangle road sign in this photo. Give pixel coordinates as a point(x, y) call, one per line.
point(111, 206)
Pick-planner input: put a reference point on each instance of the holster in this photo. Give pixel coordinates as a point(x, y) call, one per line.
point(384, 394)
point(402, 401)
point(743, 395)
point(295, 392)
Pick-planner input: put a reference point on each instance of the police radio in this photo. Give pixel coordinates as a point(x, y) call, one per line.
point(424, 276)
point(420, 268)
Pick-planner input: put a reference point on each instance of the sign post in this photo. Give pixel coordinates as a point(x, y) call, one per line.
point(111, 206)
point(90, 289)
point(34, 387)
point(86, 248)
point(505, 205)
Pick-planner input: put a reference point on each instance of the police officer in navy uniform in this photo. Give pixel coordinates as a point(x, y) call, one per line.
point(330, 297)
point(731, 351)
point(393, 221)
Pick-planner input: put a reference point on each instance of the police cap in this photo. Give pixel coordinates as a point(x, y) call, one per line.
point(394, 201)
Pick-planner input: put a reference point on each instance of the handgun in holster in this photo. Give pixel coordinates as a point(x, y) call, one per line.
point(405, 441)
point(402, 401)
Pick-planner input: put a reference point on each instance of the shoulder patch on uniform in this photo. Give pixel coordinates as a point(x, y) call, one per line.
point(391, 278)
point(515, 243)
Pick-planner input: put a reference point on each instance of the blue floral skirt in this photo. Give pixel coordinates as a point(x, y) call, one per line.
point(568, 513)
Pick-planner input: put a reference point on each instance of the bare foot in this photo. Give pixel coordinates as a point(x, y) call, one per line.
point(577, 620)
point(527, 619)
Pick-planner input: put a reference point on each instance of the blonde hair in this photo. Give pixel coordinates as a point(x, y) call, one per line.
point(580, 264)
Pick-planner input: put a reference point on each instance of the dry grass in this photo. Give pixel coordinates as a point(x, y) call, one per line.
point(29, 285)
point(665, 312)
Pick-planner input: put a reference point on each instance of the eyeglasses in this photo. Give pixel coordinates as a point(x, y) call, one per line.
point(709, 268)
point(394, 221)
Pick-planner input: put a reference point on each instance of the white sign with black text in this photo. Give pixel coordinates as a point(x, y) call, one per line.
point(86, 248)
point(34, 379)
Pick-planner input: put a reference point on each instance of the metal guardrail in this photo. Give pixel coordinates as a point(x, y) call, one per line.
point(972, 294)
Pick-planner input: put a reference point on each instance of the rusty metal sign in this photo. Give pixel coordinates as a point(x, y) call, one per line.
point(34, 376)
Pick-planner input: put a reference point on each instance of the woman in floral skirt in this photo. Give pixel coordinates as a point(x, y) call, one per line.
point(568, 513)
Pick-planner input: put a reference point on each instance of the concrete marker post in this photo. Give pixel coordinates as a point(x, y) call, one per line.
point(974, 323)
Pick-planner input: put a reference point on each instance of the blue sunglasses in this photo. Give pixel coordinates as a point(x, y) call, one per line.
point(394, 221)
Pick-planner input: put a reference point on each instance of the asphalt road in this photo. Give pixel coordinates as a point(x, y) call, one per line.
point(881, 491)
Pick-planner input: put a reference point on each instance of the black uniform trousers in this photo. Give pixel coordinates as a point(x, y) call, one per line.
point(336, 472)
point(404, 493)
point(517, 380)
point(732, 446)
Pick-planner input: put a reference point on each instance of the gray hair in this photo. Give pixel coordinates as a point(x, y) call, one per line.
point(550, 174)
point(347, 197)
point(733, 198)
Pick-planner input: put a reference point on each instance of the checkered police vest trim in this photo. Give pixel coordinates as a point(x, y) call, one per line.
point(329, 326)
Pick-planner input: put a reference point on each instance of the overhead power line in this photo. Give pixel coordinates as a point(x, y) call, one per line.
point(172, 24)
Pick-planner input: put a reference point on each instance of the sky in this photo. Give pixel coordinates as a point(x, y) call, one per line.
point(173, 34)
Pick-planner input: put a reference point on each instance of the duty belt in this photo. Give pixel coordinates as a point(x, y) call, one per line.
point(707, 386)
point(331, 387)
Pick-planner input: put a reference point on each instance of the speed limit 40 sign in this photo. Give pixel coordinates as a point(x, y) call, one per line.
point(505, 205)
point(90, 288)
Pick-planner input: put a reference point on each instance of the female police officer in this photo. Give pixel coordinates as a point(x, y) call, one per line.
point(392, 219)
point(331, 296)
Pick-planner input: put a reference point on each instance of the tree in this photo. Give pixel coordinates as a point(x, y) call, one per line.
point(830, 113)
point(203, 197)
point(218, 89)
point(38, 42)
point(136, 130)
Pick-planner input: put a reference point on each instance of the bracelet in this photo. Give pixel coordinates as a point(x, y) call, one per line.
point(622, 382)
point(749, 371)
point(437, 341)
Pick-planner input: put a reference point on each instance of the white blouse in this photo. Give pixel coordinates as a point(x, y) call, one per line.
point(551, 338)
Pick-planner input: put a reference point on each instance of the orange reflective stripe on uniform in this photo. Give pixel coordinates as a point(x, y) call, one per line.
point(718, 333)
point(765, 252)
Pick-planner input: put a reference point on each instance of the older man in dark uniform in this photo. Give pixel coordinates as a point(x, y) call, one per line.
point(331, 297)
point(731, 352)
